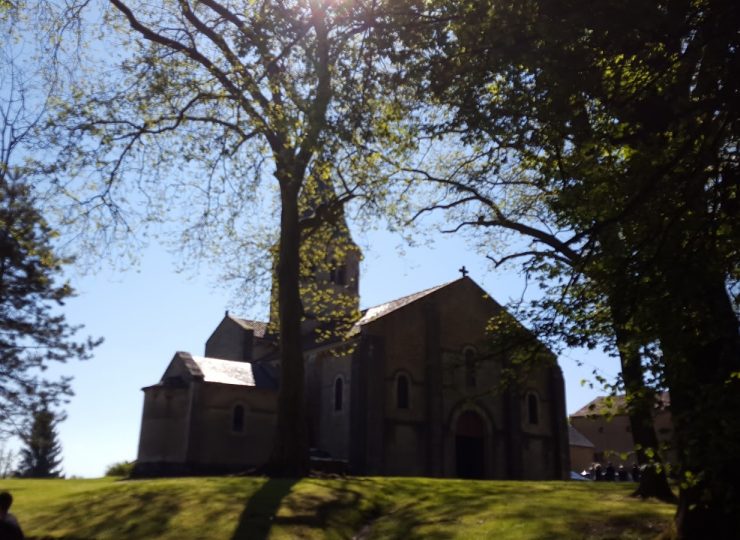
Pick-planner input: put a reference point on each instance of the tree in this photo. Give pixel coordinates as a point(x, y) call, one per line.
point(212, 95)
point(623, 119)
point(41, 455)
point(8, 458)
point(33, 333)
point(574, 309)
point(481, 185)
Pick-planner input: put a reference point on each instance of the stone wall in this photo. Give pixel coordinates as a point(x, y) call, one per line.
point(426, 342)
point(190, 430)
point(334, 420)
point(215, 442)
point(164, 425)
point(230, 341)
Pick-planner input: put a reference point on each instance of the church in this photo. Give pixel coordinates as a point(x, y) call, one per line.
point(411, 387)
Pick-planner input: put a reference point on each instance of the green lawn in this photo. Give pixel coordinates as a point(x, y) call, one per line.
point(362, 508)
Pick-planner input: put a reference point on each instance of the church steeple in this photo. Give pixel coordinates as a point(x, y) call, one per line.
point(330, 264)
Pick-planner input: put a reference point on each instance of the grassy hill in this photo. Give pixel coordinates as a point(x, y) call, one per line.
point(362, 508)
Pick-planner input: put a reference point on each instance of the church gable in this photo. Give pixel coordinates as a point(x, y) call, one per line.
point(460, 309)
point(181, 367)
point(437, 371)
point(236, 339)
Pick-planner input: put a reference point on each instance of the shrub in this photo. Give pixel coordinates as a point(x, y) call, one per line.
point(122, 468)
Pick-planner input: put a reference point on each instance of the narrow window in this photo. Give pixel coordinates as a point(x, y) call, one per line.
point(342, 275)
point(338, 393)
point(533, 408)
point(470, 375)
point(402, 392)
point(338, 275)
point(237, 419)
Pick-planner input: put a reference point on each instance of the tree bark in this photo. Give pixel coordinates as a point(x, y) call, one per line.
point(640, 399)
point(702, 352)
point(290, 447)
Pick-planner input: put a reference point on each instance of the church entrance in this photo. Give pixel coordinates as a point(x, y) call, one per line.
point(469, 445)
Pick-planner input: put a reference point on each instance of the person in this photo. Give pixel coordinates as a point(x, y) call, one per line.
point(610, 472)
point(598, 472)
point(9, 527)
point(622, 473)
point(635, 473)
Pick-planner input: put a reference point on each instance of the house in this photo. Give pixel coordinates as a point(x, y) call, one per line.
point(604, 423)
point(581, 450)
point(411, 388)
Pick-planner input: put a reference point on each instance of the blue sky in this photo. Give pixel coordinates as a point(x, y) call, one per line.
point(148, 313)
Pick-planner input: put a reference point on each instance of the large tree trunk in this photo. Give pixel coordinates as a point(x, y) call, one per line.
point(702, 350)
point(290, 448)
point(640, 399)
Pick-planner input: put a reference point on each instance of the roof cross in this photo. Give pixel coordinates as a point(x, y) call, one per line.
point(463, 271)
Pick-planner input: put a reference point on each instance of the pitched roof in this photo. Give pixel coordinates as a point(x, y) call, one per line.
point(382, 310)
point(576, 438)
point(616, 405)
point(368, 315)
point(216, 370)
point(258, 327)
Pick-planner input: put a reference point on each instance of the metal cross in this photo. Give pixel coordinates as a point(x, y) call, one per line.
point(463, 271)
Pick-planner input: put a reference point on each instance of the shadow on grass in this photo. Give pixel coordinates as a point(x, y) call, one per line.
point(259, 514)
point(293, 509)
point(359, 508)
point(363, 508)
point(428, 510)
point(130, 514)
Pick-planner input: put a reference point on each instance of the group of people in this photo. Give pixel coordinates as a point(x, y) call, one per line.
point(611, 474)
point(9, 527)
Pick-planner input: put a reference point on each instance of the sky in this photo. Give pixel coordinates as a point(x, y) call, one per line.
point(148, 313)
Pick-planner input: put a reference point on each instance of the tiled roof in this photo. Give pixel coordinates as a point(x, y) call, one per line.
point(216, 370)
point(382, 310)
point(576, 438)
point(602, 405)
point(258, 327)
point(615, 405)
point(369, 315)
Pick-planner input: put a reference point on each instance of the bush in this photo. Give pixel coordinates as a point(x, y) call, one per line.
point(122, 468)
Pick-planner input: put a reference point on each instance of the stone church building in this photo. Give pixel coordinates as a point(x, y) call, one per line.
point(411, 389)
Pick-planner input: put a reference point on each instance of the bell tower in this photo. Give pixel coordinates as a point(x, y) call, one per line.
point(330, 265)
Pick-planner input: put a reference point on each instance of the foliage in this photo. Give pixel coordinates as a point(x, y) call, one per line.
point(33, 332)
point(609, 137)
point(41, 454)
point(208, 101)
point(241, 508)
point(121, 468)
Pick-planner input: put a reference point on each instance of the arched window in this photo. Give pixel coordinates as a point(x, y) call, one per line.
point(533, 407)
point(470, 375)
point(237, 419)
point(338, 393)
point(402, 392)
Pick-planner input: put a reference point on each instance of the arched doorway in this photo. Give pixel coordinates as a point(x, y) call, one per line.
point(469, 445)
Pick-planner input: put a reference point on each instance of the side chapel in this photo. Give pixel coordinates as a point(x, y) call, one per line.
point(411, 389)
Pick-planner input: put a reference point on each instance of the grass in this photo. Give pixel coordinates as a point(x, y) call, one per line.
point(237, 508)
